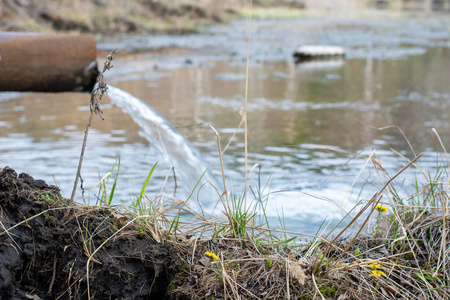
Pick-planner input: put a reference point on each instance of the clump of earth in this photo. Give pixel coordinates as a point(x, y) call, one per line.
point(44, 250)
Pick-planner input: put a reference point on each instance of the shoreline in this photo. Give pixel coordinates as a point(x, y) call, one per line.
point(104, 251)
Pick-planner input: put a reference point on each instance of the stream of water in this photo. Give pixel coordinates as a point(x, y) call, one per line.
point(311, 126)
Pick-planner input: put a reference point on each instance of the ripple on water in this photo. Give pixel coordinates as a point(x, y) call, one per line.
point(312, 127)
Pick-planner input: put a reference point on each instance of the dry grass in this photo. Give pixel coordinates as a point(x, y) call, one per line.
point(404, 255)
point(409, 246)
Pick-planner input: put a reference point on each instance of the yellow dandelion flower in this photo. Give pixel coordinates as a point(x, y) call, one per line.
point(210, 254)
point(377, 273)
point(381, 208)
point(374, 265)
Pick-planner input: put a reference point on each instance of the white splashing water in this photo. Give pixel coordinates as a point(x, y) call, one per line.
point(173, 147)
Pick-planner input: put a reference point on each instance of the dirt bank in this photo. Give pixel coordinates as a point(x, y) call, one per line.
point(45, 256)
point(99, 252)
point(42, 256)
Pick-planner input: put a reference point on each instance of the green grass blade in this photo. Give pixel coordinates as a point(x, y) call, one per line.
point(216, 233)
point(289, 240)
point(138, 202)
point(111, 195)
point(174, 224)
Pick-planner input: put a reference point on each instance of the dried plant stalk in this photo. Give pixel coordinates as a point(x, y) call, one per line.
point(96, 97)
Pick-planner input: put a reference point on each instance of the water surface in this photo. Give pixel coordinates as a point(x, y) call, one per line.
point(311, 126)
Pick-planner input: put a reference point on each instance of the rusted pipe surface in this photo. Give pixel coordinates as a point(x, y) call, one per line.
point(49, 63)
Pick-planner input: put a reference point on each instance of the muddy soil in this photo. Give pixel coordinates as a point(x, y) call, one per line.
point(42, 256)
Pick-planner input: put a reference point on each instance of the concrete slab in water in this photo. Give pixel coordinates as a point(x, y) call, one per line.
point(310, 52)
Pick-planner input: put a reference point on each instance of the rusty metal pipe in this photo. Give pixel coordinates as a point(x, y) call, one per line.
point(47, 63)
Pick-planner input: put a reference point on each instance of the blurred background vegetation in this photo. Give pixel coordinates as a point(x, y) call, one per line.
point(170, 16)
point(116, 16)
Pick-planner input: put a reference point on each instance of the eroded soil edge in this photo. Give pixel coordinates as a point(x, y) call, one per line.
point(44, 257)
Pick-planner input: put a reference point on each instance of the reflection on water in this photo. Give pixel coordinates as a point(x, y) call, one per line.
point(336, 105)
point(306, 125)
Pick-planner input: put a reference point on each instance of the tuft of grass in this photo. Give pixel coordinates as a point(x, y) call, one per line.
point(240, 218)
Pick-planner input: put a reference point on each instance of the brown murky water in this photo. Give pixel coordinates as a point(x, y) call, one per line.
point(306, 123)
